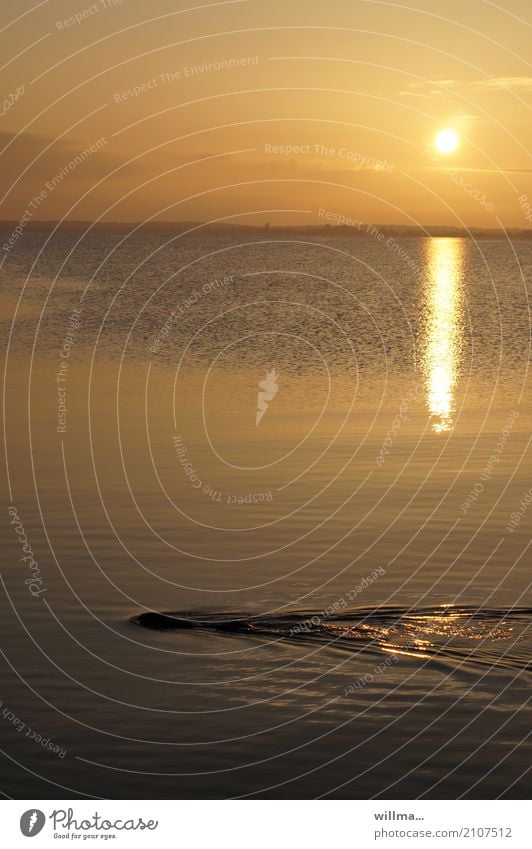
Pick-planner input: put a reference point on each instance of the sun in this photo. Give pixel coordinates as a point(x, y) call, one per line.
point(447, 141)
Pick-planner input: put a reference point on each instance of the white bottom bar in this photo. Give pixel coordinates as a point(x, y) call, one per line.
point(268, 824)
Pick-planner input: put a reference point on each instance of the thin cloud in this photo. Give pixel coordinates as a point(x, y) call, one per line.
point(460, 170)
point(505, 82)
point(427, 87)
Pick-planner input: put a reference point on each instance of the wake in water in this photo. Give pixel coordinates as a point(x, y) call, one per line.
point(492, 636)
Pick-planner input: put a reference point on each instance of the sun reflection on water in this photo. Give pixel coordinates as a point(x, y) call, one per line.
point(445, 257)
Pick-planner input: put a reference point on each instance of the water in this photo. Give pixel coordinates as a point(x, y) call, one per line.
point(369, 536)
point(447, 631)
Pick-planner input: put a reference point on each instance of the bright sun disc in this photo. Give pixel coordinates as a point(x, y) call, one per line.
point(446, 141)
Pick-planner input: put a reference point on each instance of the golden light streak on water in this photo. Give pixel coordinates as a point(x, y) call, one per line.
point(442, 346)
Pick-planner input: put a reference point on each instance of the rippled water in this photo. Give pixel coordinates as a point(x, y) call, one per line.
point(448, 632)
point(371, 531)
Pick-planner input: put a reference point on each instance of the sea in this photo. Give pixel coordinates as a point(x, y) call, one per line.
point(267, 519)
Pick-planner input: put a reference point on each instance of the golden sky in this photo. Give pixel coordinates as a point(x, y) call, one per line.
point(253, 111)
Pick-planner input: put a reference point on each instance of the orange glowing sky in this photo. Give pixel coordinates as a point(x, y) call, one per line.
point(253, 111)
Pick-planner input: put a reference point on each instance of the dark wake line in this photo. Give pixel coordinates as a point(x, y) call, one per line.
point(492, 636)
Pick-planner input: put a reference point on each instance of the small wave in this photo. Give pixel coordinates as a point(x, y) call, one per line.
point(492, 636)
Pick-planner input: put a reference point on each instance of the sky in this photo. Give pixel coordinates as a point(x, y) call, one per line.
point(260, 110)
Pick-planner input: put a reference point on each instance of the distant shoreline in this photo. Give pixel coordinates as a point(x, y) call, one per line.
point(178, 227)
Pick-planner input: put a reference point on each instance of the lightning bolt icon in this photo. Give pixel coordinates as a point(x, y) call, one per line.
point(33, 820)
point(268, 391)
